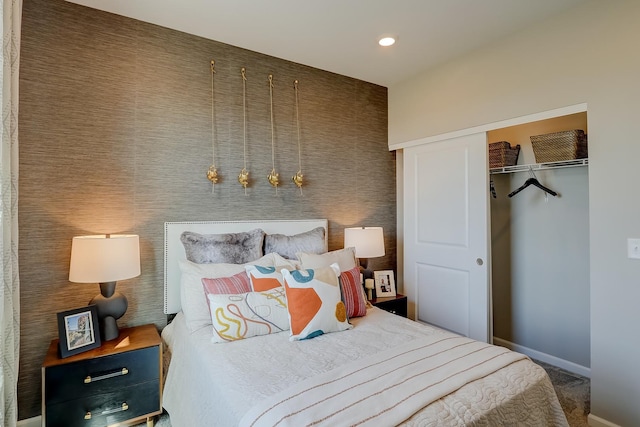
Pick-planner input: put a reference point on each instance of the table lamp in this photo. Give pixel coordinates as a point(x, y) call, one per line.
point(104, 259)
point(369, 243)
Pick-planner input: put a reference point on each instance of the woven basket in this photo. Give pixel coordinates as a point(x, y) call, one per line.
point(501, 154)
point(559, 146)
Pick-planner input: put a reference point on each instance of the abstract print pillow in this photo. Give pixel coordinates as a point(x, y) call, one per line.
point(264, 278)
point(239, 316)
point(314, 302)
point(352, 293)
point(193, 300)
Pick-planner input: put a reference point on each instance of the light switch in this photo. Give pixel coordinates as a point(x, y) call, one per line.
point(633, 248)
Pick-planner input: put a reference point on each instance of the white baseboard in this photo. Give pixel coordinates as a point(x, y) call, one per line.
point(30, 422)
point(594, 421)
point(544, 357)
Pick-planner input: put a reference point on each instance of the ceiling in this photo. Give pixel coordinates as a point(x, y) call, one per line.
point(341, 35)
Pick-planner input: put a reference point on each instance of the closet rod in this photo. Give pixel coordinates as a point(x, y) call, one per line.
point(540, 166)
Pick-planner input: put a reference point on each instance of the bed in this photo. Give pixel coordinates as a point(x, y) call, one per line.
point(376, 369)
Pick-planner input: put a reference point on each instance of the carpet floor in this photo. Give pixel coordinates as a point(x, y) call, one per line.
point(573, 391)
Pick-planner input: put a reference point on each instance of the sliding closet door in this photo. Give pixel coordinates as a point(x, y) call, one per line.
point(446, 269)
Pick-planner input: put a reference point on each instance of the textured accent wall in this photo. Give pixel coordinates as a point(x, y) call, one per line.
point(115, 136)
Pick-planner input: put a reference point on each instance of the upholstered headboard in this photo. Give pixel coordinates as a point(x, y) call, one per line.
point(174, 250)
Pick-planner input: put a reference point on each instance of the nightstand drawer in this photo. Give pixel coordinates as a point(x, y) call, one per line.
point(101, 374)
point(106, 408)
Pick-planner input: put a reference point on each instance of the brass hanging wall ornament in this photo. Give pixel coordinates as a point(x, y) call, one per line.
point(273, 177)
point(243, 177)
point(298, 177)
point(212, 172)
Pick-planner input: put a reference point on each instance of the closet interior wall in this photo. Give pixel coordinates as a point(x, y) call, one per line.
point(540, 254)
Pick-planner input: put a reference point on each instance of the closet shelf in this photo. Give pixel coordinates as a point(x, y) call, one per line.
point(540, 166)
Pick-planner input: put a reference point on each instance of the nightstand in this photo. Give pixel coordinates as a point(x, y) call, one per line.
point(396, 305)
point(117, 383)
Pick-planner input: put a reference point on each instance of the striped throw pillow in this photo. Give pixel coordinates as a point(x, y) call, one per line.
point(236, 284)
point(352, 294)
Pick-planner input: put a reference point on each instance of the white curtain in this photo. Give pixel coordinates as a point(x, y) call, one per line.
point(10, 287)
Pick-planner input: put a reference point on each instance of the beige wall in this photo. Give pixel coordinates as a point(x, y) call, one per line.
point(588, 54)
point(115, 136)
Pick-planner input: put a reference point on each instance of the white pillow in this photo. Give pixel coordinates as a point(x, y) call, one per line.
point(345, 258)
point(289, 264)
point(192, 297)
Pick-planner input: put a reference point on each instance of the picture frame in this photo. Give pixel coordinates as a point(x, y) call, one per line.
point(385, 283)
point(78, 330)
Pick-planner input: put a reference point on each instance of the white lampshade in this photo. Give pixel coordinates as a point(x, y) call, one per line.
point(104, 258)
point(368, 241)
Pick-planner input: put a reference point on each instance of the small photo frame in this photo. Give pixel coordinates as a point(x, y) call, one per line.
point(78, 330)
point(385, 283)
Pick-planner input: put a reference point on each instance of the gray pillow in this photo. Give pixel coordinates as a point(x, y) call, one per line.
point(287, 246)
point(231, 248)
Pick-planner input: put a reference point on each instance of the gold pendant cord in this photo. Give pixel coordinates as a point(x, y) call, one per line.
point(212, 172)
point(298, 177)
point(273, 177)
point(243, 178)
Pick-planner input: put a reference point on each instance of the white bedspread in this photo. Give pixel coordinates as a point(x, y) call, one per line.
point(216, 384)
point(383, 389)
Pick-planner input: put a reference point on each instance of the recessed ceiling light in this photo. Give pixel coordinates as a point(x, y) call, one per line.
point(386, 41)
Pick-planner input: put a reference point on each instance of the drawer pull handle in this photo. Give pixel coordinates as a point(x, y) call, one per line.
point(118, 373)
point(120, 408)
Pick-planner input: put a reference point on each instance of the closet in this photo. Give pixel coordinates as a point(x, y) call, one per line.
point(512, 270)
point(540, 252)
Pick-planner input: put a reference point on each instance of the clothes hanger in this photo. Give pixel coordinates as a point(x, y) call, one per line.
point(532, 181)
point(492, 187)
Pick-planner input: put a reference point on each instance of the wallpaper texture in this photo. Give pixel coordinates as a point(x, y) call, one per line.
point(115, 136)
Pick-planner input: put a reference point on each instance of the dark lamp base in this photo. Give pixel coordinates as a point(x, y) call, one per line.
point(109, 329)
point(111, 306)
point(364, 269)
